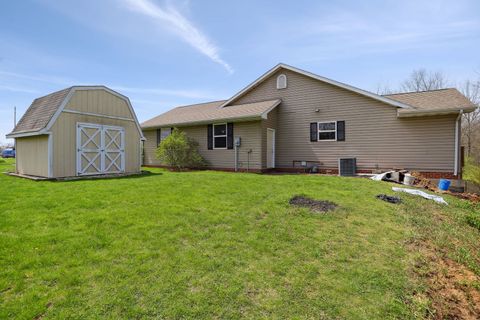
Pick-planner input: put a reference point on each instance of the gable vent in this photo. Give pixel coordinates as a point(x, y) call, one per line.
point(281, 81)
point(347, 167)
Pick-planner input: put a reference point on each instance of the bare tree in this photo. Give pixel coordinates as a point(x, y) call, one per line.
point(471, 121)
point(423, 80)
point(383, 89)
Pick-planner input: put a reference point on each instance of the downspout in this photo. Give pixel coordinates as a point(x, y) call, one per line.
point(457, 142)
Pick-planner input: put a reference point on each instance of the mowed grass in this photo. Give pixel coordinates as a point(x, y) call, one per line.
point(203, 245)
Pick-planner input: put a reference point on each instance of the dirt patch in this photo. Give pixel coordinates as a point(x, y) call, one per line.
point(314, 205)
point(452, 288)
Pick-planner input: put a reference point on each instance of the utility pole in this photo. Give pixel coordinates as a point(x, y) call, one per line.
point(14, 116)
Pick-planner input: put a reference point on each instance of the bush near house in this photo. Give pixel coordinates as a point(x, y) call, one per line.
point(180, 151)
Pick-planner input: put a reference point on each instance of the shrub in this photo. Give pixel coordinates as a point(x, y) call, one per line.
point(180, 151)
point(471, 171)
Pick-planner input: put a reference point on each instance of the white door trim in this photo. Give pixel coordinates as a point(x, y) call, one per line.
point(114, 151)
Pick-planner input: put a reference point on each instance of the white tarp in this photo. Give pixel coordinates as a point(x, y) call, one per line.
point(425, 195)
point(379, 177)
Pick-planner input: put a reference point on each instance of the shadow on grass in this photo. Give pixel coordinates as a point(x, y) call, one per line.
point(144, 174)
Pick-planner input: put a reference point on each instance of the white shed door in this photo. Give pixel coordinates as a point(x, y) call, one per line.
point(100, 149)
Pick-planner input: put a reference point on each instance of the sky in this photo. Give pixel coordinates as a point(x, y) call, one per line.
point(163, 54)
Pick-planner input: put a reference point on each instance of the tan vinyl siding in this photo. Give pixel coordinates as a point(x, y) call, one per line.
point(32, 155)
point(150, 147)
point(99, 102)
point(374, 134)
point(270, 122)
point(250, 133)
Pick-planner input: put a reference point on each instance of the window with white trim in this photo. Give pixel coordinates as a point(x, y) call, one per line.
point(220, 136)
point(281, 81)
point(327, 131)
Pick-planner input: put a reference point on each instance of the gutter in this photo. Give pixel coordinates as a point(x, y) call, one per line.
point(457, 130)
point(432, 112)
point(201, 122)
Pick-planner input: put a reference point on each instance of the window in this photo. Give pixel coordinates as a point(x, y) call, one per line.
point(162, 133)
point(281, 81)
point(220, 136)
point(327, 130)
point(165, 133)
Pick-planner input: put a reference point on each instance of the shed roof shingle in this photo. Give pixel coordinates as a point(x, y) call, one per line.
point(40, 112)
point(211, 111)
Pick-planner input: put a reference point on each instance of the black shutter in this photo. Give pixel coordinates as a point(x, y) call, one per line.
point(313, 131)
point(340, 130)
point(210, 137)
point(229, 135)
point(159, 136)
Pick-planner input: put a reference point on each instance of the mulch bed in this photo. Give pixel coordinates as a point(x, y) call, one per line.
point(314, 205)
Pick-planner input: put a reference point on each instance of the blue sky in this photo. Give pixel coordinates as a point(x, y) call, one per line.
point(167, 53)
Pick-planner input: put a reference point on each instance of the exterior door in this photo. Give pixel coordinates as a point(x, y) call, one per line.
point(270, 148)
point(100, 149)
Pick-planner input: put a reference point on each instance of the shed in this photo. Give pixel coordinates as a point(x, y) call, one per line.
point(78, 131)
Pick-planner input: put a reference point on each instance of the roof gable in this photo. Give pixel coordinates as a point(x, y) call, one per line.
point(44, 111)
point(266, 75)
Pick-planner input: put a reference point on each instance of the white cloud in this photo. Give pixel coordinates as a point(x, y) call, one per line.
point(17, 89)
point(41, 78)
point(181, 26)
point(193, 94)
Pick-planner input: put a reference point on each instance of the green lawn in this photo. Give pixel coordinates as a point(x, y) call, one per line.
point(203, 245)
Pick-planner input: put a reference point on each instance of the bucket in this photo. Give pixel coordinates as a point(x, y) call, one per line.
point(443, 184)
point(408, 180)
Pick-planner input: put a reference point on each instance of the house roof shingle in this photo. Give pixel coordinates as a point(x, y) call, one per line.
point(211, 111)
point(40, 112)
point(434, 100)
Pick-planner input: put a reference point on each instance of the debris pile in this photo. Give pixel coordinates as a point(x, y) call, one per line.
point(391, 199)
point(415, 179)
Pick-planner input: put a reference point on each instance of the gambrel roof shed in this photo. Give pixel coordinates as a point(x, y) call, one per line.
point(80, 130)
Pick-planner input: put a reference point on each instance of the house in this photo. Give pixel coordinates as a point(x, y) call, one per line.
point(78, 131)
point(289, 119)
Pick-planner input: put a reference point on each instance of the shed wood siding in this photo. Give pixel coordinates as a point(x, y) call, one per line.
point(99, 102)
point(374, 134)
point(32, 155)
point(250, 132)
point(64, 130)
